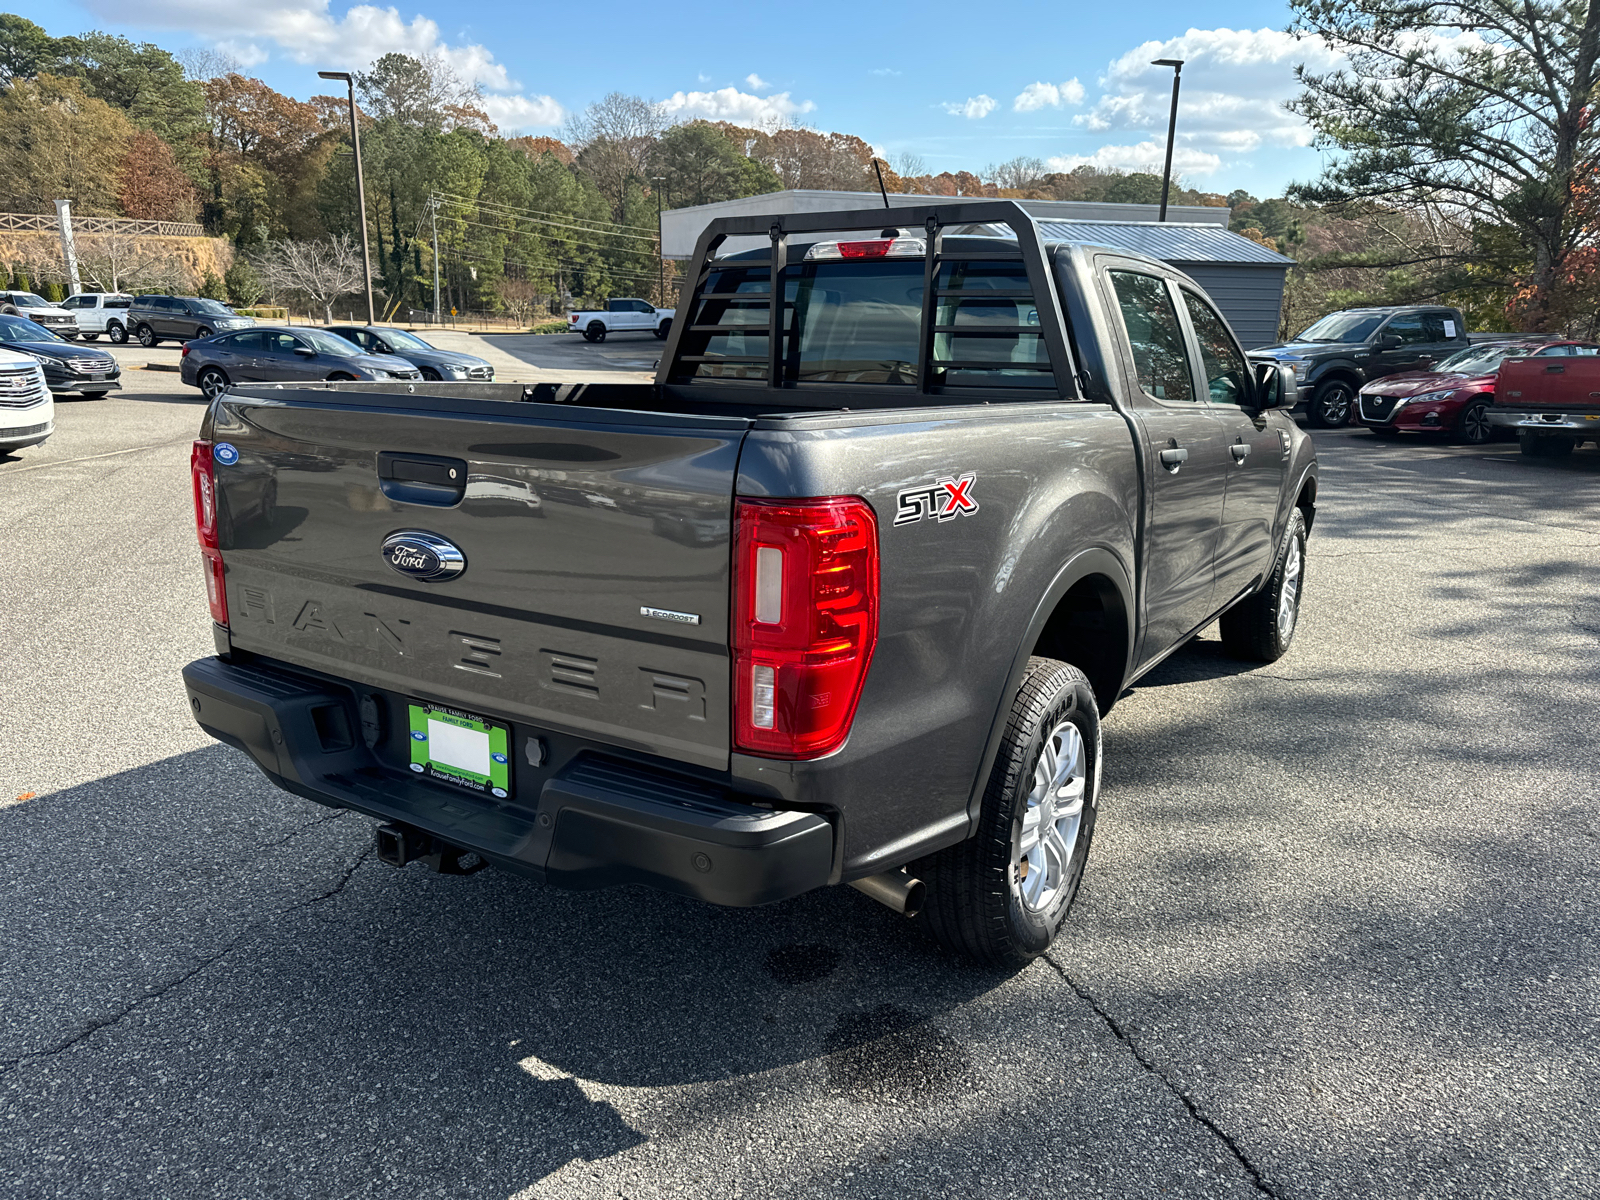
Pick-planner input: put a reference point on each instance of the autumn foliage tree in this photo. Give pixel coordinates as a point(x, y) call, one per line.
point(152, 186)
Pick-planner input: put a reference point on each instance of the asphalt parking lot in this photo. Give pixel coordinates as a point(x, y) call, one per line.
point(1337, 937)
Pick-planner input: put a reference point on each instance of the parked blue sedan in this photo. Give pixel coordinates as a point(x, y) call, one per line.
point(433, 362)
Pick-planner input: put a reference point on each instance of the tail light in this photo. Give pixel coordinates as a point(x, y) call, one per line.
point(184, 352)
point(805, 622)
point(572, 318)
point(203, 476)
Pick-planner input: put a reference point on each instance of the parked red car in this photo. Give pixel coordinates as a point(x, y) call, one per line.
point(1453, 397)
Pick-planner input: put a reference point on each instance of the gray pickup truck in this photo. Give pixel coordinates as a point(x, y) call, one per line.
point(840, 597)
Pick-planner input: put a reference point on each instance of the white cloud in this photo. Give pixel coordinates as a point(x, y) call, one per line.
point(1048, 95)
point(307, 31)
point(1146, 156)
point(975, 109)
point(523, 112)
point(757, 84)
point(884, 71)
point(730, 104)
point(246, 54)
point(1235, 83)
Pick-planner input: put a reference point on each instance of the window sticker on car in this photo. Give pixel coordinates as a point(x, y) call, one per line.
point(944, 499)
point(1449, 328)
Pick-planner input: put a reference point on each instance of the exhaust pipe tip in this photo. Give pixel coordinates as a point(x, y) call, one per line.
point(894, 889)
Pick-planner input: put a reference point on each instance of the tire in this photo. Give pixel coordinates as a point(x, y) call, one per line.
point(1535, 446)
point(91, 337)
point(117, 334)
point(663, 329)
point(212, 381)
point(8, 310)
point(987, 899)
point(595, 332)
point(147, 336)
point(1261, 627)
point(1331, 405)
point(1473, 425)
point(341, 377)
point(429, 375)
point(71, 337)
point(202, 332)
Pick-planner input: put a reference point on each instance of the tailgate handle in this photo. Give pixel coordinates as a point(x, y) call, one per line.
point(422, 478)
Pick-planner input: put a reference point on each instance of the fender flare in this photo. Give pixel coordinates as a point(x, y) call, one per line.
point(1096, 560)
point(1339, 366)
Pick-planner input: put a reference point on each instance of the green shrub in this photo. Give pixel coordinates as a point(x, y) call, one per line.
point(264, 313)
point(242, 282)
point(21, 283)
point(54, 292)
point(550, 327)
point(211, 287)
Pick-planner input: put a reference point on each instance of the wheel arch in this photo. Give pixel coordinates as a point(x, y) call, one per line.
point(1084, 618)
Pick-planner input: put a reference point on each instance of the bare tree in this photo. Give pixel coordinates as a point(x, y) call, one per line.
point(615, 139)
point(120, 262)
point(321, 271)
point(907, 165)
point(200, 63)
point(1017, 173)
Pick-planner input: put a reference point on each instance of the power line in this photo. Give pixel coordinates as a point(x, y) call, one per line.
point(567, 266)
point(547, 213)
point(567, 241)
point(517, 213)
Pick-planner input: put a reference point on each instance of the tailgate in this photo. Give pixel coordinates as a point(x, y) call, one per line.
point(571, 522)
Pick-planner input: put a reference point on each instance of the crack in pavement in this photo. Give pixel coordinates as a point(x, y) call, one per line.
point(156, 993)
point(1256, 1178)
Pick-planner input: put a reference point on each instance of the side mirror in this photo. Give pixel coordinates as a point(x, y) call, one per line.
point(1425, 363)
point(1390, 341)
point(1276, 386)
point(305, 351)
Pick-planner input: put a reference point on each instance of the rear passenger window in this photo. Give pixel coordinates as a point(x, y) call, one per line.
point(1159, 354)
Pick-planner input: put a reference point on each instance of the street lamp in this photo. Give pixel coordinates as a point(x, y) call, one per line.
point(1172, 125)
point(661, 245)
point(361, 187)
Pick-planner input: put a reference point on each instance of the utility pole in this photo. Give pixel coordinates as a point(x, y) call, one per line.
point(433, 216)
point(68, 250)
point(661, 245)
point(361, 188)
point(1172, 127)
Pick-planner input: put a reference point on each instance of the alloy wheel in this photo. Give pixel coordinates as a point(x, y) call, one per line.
point(1289, 595)
point(1042, 858)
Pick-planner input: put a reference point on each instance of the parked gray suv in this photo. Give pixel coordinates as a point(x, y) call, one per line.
point(267, 354)
point(156, 319)
point(434, 363)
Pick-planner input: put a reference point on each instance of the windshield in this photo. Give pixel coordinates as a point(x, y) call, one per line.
point(1342, 327)
point(214, 307)
point(29, 300)
point(327, 343)
point(16, 329)
point(401, 340)
point(1479, 359)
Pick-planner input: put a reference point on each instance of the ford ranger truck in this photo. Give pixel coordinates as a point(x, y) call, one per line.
point(1550, 399)
point(840, 597)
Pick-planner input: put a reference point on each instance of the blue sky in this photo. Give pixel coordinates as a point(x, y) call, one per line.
point(952, 84)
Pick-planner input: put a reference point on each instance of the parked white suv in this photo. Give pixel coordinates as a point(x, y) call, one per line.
point(40, 311)
point(100, 312)
point(27, 411)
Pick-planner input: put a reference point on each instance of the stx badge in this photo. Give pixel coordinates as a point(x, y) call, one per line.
point(944, 499)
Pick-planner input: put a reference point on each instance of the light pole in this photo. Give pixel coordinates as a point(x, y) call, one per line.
point(1172, 125)
point(661, 245)
point(361, 188)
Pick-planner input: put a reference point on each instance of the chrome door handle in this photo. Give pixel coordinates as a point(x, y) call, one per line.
point(1240, 452)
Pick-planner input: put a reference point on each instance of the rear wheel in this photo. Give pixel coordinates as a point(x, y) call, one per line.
point(117, 333)
point(212, 382)
point(1002, 896)
point(1331, 405)
point(1473, 425)
point(1261, 627)
point(147, 336)
point(596, 332)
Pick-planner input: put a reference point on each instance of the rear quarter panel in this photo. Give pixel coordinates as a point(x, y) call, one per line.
point(956, 596)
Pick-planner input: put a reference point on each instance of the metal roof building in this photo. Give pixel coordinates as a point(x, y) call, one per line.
point(1243, 277)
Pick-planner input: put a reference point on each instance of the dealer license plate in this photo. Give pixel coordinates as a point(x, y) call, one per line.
point(458, 748)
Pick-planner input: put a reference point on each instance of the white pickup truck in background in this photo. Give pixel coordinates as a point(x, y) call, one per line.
point(621, 316)
point(100, 312)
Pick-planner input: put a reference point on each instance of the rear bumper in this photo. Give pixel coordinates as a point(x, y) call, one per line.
point(1585, 422)
point(591, 821)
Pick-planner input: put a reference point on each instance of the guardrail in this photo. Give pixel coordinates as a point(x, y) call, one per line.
point(38, 223)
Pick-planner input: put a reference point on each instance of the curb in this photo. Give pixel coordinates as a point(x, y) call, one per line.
point(173, 367)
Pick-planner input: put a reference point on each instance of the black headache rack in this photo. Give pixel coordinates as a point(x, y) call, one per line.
point(1055, 375)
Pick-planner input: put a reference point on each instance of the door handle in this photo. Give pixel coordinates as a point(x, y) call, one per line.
point(1173, 459)
point(1555, 369)
point(1240, 452)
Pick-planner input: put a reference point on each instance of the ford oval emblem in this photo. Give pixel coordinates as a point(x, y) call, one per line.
point(224, 453)
point(417, 554)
